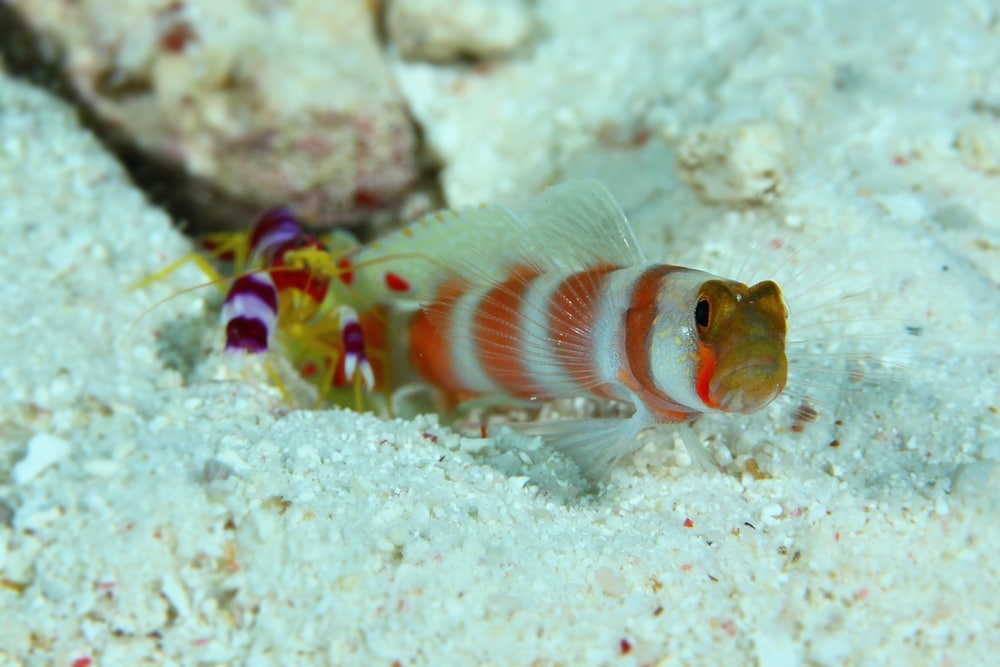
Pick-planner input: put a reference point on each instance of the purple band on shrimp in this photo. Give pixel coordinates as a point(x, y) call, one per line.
point(250, 313)
point(275, 228)
point(353, 337)
point(246, 334)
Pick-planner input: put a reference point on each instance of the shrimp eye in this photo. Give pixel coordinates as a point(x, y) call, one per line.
point(701, 313)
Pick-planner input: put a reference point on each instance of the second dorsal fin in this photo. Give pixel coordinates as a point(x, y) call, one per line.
point(571, 227)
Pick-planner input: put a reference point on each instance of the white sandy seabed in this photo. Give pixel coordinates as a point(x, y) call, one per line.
point(155, 514)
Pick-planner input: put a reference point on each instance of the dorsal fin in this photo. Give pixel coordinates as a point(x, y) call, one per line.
point(571, 227)
point(410, 262)
point(580, 225)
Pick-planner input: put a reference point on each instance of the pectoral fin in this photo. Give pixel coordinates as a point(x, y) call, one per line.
point(595, 445)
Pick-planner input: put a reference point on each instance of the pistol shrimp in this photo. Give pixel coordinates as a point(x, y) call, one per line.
point(291, 295)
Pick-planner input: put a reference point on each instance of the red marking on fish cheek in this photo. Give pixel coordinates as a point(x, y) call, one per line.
point(706, 369)
point(396, 283)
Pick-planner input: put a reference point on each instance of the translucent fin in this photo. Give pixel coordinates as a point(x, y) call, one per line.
point(696, 450)
point(410, 263)
point(571, 227)
point(595, 445)
point(580, 225)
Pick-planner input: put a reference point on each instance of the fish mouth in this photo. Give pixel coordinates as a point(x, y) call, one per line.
point(749, 385)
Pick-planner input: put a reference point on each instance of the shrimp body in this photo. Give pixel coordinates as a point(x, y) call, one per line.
point(298, 301)
point(560, 302)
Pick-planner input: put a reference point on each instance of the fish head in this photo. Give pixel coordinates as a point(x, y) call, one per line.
point(740, 331)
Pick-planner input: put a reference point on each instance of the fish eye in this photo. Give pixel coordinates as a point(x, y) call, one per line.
point(701, 313)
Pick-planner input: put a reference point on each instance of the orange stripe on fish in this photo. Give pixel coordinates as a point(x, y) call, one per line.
point(640, 324)
point(495, 330)
point(429, 354)
point(573, 306)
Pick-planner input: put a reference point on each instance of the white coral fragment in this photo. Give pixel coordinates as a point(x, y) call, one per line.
point(44, 450)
